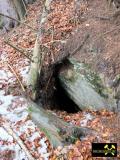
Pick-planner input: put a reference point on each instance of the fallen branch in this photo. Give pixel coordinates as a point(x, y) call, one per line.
point(21, 22)
point(24, 7)
point(113, 29)
point(18, 49)
point(102, 18)
point(80, 46)
point(18, 79)
point(108, 32)
point(53, 41)
point(17, 139)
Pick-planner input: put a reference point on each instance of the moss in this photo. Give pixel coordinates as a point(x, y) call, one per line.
point(96, 81)
point(91, 76)
point(30, 109)
point(46, 132)
point(70, 139)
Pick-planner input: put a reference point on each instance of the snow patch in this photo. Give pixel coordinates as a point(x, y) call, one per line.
point(6, 101)
point(18, 153)
point(4, 135)
point(83, 122)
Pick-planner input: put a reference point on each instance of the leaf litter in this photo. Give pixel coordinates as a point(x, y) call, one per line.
point(13, 109)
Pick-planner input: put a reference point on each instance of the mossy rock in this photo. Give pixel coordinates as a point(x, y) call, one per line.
point(85, 87)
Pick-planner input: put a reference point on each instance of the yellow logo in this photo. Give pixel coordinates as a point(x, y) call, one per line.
point(110, 150)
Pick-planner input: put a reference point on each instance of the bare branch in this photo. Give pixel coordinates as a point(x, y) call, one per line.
point(18, 49)
point(21, 22)
point(24, 7)
point(17, 139)
point(18, 79)
point(80, 46)
point(53, 41)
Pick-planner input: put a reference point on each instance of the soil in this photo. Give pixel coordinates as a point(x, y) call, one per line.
point(102, 49)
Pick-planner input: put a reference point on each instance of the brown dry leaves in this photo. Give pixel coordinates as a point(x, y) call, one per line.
point(81, 150)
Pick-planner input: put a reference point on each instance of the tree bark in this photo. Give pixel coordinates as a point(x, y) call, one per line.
point(38, 55)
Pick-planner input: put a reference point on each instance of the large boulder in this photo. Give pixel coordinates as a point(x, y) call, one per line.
point(85, 87)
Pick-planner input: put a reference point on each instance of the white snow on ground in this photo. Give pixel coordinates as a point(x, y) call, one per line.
point(23, 126)
point(6, 77)
point(24, 73)
point(8, 146)
point(5, 102)
point(3, 56)
point(14, 109)
point(5, 136)
point(87, 117)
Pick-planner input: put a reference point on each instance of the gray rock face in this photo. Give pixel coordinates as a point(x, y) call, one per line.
point(7, 8)
point(15, 9)
point(117, 3)
point(83, 92)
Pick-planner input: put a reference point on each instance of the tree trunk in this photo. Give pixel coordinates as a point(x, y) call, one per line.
point(38, 55)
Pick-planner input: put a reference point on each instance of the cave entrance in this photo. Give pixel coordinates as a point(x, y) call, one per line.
point(62, 100)
point(55, 97)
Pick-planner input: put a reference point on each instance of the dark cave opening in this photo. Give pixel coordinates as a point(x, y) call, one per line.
point(55, 97)
point(62, 101)
point(60, 97)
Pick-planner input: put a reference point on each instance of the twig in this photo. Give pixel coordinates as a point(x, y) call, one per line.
point(12, 69)
point(108, 32)
point(102, 18)
point(113, 29)
point(53, 41)
point(1, 14)
point(48, 82)
point(52, 44)
point(18, 49)
point(80, 46)
point(18, 140)
point(24, 7)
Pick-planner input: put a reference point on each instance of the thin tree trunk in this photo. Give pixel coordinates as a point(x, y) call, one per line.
point(38, 55)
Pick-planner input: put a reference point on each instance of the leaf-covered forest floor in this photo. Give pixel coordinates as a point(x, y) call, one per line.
point(66, 20)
